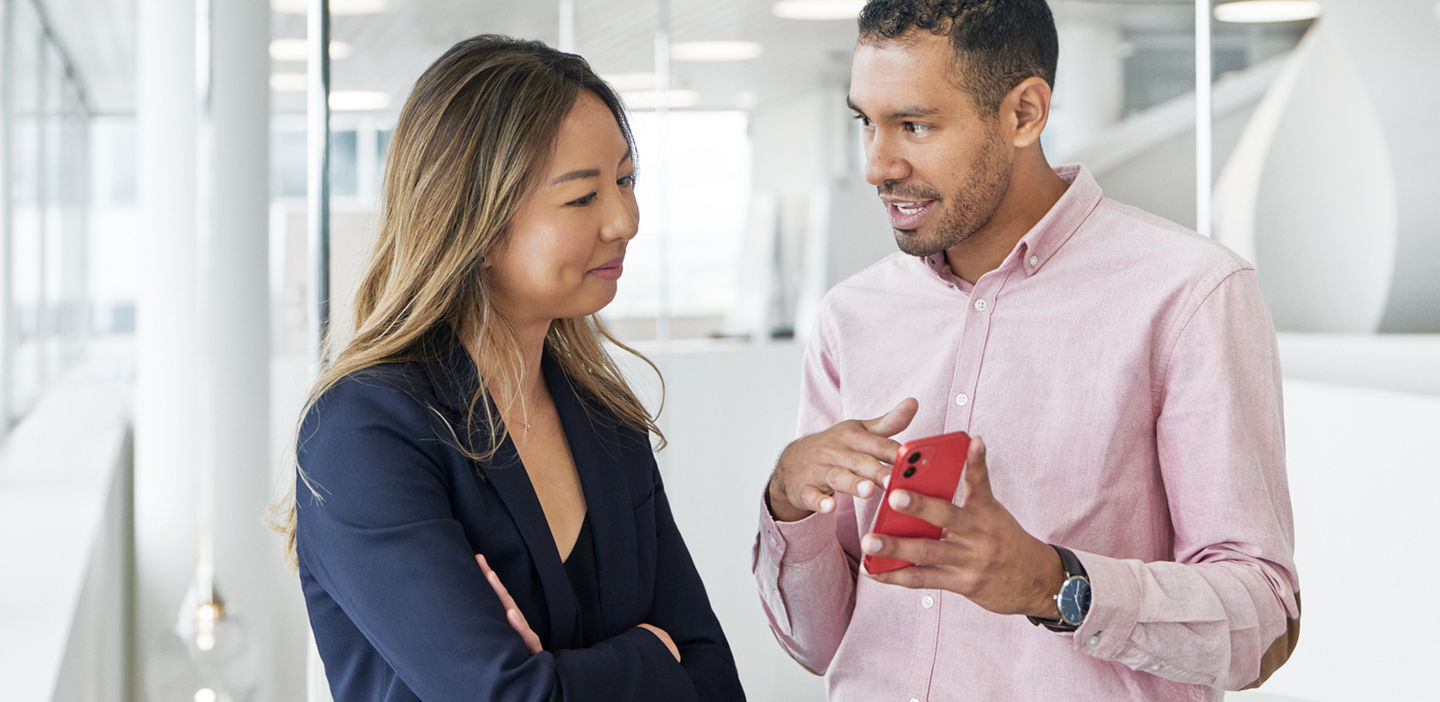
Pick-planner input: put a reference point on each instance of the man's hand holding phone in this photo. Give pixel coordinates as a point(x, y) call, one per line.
point(982, 553)
point(850, 457)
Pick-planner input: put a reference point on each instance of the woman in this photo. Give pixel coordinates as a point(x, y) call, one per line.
point(477, 417)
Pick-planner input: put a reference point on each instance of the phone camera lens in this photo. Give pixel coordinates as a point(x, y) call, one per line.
point(914, 457)
point(910, 471)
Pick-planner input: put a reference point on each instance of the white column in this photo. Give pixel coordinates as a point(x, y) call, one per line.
point(203, 374)
point(1089, 82)
point(7, 279)
point(167, 449)
point(235, 335)
point(1204, 120)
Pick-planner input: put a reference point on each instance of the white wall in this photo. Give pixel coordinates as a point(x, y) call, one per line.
point(728, 411)
point(1363, 475)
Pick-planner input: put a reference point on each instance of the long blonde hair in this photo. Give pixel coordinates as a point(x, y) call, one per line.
point(472, 140)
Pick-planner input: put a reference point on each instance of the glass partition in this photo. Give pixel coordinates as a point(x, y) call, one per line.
point(45, 177)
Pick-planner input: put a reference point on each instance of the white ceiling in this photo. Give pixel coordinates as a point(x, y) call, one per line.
point(390, 49)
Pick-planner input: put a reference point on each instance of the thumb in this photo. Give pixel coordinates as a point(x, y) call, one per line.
point(977, 473)
point(894, 421)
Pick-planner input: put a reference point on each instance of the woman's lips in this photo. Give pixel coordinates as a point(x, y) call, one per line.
point(610, 270)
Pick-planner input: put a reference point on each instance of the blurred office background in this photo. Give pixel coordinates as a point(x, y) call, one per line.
point(161, 212)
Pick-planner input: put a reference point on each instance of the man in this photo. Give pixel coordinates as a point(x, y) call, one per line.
point(1123, 369)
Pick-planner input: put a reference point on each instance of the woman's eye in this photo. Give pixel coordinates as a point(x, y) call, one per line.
point(581, 202)
point(626, 182)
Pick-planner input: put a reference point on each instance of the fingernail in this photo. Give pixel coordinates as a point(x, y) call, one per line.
point(870, 544)
point(900, 499)
point(827, 504)
point(865, 489)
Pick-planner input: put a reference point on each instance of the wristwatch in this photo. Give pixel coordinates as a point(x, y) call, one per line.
point(1073, 600)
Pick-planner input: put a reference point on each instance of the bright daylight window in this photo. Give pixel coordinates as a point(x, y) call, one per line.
point(706, 192)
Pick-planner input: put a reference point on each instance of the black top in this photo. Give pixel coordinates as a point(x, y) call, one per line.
point(585, 582)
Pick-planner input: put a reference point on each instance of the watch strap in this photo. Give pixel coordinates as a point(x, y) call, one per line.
point(1073, 569)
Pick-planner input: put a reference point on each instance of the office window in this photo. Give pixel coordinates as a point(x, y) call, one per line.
point(702, 173)
point(288, 154)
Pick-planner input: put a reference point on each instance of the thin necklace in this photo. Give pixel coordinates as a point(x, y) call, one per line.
point(524, 412)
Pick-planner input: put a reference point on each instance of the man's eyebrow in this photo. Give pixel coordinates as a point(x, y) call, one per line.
point(904, 113)
point(911, 111)
point(584, 172)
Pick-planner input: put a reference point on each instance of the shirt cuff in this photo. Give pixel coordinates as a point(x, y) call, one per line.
point(1114, 606)
point(801, 541)
point(795, 542)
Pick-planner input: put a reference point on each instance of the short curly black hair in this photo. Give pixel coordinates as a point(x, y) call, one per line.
point(997, 43)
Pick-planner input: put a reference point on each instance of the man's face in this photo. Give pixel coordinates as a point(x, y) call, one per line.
point(941, 168)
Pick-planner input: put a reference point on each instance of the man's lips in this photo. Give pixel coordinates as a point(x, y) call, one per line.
point(907, 214)
point(610, 270)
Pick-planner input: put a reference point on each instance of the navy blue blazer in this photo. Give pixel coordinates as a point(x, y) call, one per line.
point(401, 611)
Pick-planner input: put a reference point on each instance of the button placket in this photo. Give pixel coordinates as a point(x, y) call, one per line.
point(970, 355)
point(927, 636)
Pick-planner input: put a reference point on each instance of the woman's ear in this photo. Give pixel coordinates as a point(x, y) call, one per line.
point(1028, 108)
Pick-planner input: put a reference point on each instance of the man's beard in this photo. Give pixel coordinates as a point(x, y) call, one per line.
point(964, 212)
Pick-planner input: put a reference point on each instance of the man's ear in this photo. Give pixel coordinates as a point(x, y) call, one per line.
point(1027, 109)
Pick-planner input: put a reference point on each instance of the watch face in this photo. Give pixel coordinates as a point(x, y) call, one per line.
point(1074, 600)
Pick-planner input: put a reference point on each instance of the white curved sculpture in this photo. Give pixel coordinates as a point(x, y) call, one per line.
point(1333, 190)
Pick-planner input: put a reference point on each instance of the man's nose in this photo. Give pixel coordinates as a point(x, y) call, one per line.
point(883, 162)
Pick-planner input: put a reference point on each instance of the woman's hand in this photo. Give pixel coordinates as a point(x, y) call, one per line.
point(516, 619)
point(528, 635)
point(664, 638)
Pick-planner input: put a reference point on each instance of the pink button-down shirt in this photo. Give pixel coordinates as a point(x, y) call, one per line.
point(1123, 374)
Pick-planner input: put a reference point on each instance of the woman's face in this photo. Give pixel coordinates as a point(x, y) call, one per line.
point(565, 249)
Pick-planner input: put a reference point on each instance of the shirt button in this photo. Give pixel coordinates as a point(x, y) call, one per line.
point(914, 699)
point(1034, 260)
point(962, 399)
point(1093, 641)
point(1154, 667)
point(981, 305)
point(927, 602)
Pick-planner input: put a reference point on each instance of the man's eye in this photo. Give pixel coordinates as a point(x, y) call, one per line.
point(862, 119)
point(917, 129)
point(581, 202)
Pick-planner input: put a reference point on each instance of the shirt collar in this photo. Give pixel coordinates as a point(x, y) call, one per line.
point(1062, 221)
point(1048, 235)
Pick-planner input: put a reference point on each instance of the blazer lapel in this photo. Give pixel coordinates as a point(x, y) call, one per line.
point(512, 483)
point(598, 455)
point(455, 386)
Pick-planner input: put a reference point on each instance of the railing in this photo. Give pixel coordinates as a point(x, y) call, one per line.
point(67, 593)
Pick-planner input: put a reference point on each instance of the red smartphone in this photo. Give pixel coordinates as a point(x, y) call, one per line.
point(931, 466)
